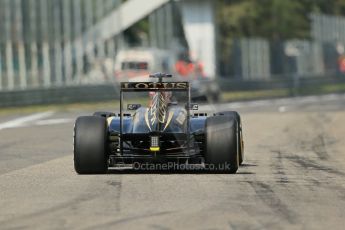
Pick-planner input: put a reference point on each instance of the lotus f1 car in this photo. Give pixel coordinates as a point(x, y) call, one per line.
point(166, 129)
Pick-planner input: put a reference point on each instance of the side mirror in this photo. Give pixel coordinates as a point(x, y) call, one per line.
point(193, 106)
point(133, 106)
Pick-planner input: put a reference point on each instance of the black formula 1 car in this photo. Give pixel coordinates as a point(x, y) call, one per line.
point(163, 131)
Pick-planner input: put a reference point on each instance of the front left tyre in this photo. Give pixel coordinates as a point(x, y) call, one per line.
point(90, 136)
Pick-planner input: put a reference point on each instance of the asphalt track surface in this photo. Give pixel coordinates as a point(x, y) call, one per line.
point(293, 176)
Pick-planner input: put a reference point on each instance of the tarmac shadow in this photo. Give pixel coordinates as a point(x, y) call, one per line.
point(167, 172)
point(248, 165)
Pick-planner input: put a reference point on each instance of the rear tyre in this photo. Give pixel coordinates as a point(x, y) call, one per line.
point(90, 137)
point(222, 153)
point(240, 139)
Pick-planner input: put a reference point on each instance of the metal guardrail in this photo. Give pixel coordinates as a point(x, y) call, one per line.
point(296, 83)
point(86, 93)
point(94, 93)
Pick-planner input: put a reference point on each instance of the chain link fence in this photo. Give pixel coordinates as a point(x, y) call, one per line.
point(260, 59)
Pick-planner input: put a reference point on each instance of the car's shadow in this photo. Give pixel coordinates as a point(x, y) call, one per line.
point(167, 172)
point(245, 165)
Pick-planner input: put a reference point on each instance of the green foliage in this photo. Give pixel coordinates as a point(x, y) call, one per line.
point(275, 20)
point(332, 7)
point(132, 34)
point(272, 19)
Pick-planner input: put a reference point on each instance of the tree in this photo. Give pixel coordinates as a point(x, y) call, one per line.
point(275, 20)
point(271, 19)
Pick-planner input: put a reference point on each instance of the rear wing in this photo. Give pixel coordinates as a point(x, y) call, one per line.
point(154, 86)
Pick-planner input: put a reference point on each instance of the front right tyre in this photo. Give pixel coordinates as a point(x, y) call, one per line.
point(222, 150)
point(90, 135)
point(240, 132)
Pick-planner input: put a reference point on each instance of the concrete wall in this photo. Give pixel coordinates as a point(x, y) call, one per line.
point(199, 27)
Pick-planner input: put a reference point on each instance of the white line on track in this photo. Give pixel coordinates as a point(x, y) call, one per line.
point(22, 121)
point(53, 121)
point(282, 109)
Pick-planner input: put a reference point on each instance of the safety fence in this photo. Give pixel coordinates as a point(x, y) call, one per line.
point(303, 82)
point(73, 94)
point(103, 92)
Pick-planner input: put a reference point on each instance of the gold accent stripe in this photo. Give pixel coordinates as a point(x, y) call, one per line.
point(147, 119)
point(171, 114)
point(109, 120)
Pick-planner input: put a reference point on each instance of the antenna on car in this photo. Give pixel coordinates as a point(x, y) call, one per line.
point(160, 76)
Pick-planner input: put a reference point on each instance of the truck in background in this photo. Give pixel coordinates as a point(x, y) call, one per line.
point(136, 64)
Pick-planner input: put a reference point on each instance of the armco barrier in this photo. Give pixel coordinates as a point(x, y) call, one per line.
point(94, 93)
point(240, 85)
point(290, 83)
point(71, 94)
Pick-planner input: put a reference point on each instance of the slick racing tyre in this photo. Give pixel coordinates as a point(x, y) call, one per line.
point(240, 133)
point(222, 153)
point(90, 137)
